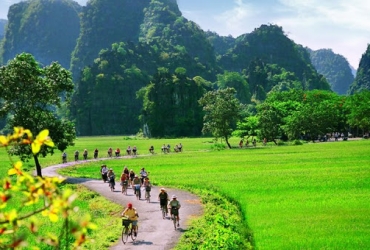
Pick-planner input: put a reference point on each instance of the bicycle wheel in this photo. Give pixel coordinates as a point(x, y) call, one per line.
point(163, 212)
point(124, 235)
point(147, 196)
point(133, 237)
point(174, 220)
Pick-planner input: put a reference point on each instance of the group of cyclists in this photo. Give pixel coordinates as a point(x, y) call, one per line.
point(130, 179)
point(132, 151)
point(167, 148)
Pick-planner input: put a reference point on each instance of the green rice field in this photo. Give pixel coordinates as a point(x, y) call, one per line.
point(311, 196)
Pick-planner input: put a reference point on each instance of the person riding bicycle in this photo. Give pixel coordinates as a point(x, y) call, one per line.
point(163, 199)
point(110, 150)
point(136, 184)
point(126, 171)
point(151, 149)
point(85, 154)
point(117, 152)
point(180, 147)
point(128, 150)
point(134, 150)
point(147, 185)
point(131, 176)
point(64, 157)
point(131, 214)
point(124, 181)
point(96, 152)
point(175, 205)
point(76, 155)
point(111, 178)
point(143, 175)
point(104, 172)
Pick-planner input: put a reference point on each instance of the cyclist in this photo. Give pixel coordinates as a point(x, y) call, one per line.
point(151, 149)
point(134, 149)
point(118, 152)
point(126, 171)
point(64, 157)
point(143, 175)
point(180, 147)
point(136, 184)
point(110, 150)
point(104, 172)
point(111, 178)
point(128, 150)
point(124, 181)
point(175, 206)
point(76, 155)
point(131, 213)
point(85, 154)
point(163, 199)
point(132, 176)
point(96, 152)
point(147, 185)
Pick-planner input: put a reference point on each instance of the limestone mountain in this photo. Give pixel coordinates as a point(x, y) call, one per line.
point(334, 67)
point(3, 22)
point(362, 80)
point(104, 22)
point(268, 45)
point(47, 29)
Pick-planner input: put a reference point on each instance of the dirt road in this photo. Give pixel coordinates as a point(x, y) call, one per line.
point(154, 232)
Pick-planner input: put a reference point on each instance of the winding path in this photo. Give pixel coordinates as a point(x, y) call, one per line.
point(154, 232)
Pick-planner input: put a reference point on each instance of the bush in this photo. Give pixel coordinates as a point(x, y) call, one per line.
point(218, 146)
point(297, 142)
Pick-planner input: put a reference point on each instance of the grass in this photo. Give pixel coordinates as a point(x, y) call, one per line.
point(313, 196)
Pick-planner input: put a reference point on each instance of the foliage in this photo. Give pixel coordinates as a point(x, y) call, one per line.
point(247, 127)
point(43, 194)
point(236, 81)
point(104, 22)
point(334, 67)
point(357, 108)
point(47, 29)
point(222, 109)
point(171, 104)
point(362, 80)
point(29, 95)
point(298, 114)
point(105, 100)
point(221, 227)
point(268, 45)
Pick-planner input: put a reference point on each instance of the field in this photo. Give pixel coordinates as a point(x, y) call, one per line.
point(312, 196)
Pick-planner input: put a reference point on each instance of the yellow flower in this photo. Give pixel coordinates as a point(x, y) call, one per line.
point(17, 169)
point(4, 140)
point(41, 139)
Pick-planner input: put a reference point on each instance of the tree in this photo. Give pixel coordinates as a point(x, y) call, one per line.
point(222, 111)
point(357, 109)
point(29, 97)
point(236, 81)
point(170, 104)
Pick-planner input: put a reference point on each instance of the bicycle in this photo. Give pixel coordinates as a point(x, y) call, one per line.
point(137, 191)
point(124, 187)
point(174, 213)
point(128, 230)
point(164, 211)
point(147, 194)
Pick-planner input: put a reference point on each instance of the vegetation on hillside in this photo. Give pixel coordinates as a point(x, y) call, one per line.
point(45, 28)
point(362, 80)
point(334, 67)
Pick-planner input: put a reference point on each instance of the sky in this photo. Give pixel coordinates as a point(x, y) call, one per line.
point(340, 25)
